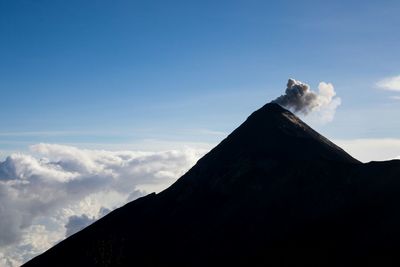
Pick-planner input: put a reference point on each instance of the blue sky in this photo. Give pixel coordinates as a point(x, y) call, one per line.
point(117, 72)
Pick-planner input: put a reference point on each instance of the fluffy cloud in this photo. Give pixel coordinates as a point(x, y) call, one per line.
point(301, 99)
point(390, 83)
point(57, 190)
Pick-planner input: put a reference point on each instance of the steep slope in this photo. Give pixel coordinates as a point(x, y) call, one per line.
point(273, 193)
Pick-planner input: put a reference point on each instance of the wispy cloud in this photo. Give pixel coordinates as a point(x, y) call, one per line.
point(107, 133)
point(390, 83)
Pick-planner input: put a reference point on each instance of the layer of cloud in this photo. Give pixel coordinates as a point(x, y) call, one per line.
point(370, 149)
point(300, 99)
point(56, 190)
point(390, 83)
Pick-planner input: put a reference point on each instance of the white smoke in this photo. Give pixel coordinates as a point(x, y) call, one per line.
point(300, 99)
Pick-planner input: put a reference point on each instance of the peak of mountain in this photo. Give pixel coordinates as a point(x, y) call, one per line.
point(273, 193)
point(276, 133)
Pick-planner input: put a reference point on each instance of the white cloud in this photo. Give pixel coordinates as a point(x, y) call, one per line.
point(390, 83)
point(371, 149)
point(56, 190)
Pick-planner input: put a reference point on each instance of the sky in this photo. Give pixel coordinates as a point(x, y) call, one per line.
point(94, 90)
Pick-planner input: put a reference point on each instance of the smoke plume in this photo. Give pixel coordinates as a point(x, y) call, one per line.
point(300, 99)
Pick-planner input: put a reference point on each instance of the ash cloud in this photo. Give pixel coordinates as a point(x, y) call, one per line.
point(300, 99)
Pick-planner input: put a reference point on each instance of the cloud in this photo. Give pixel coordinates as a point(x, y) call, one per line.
point(390, 83)
point(56, 190)
point(300, 99)
point(371, 149)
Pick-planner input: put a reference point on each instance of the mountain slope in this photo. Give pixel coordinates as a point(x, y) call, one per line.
point(273, 193)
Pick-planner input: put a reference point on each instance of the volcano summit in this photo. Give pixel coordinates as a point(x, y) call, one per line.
point(273, 193)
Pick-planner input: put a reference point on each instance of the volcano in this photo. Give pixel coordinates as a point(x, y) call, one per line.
point(273, 193)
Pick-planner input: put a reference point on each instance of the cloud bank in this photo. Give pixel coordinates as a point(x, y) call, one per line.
point(300, 99)
point(57, 190)
point(371, 149)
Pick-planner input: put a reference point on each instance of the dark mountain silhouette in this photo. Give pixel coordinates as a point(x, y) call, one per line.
point(273, 193)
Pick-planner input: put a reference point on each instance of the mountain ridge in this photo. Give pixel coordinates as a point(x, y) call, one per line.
point(272, 120)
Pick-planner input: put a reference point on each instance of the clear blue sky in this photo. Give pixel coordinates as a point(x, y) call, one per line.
point(109, 72)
